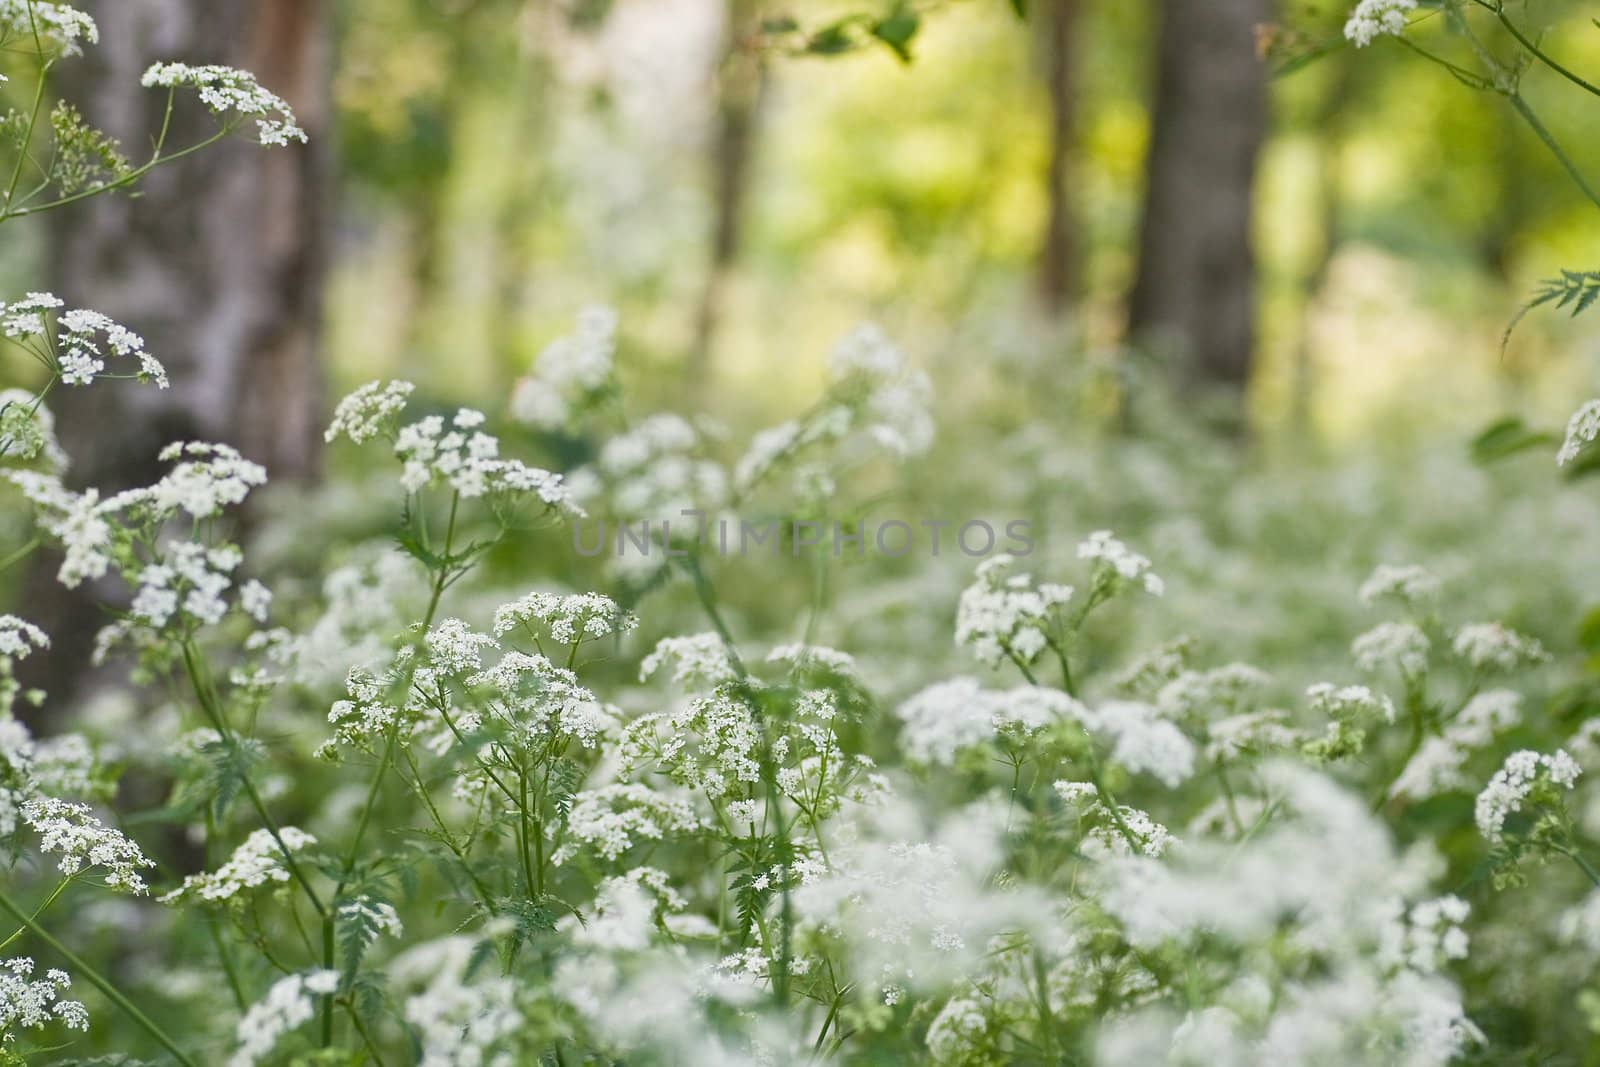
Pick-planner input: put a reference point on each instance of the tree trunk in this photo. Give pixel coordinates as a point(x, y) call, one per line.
point(218, 262)
point(1057, 268)
point(1195, 288)
point(739, 87)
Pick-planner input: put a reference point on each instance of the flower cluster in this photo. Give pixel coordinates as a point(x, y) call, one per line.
point(1003, 615)
point(76, 342)
point(228, 92)
point(27, 1003)
point(571, 373)
point(1373, 18)
point(1526, 777)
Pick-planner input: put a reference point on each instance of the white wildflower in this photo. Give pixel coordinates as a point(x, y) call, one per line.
point(568, 619)
point(1411, 585)
point(1582, 429)
point(369, 411)
point(1001, 615)
point(570, 373)
point(1489, 646)
point(1117, 563)
point(257, 862)
point(1399, 645)
point(32, 1004)
point(227, 91)
point(289, 1003)
point(84, 842)
point(1525, 774)
point(1373, 18)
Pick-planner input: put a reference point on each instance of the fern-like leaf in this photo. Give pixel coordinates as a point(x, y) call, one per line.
point(1575, 289)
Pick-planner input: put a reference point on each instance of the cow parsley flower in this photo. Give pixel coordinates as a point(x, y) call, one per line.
point(1372, 18)
point(699, 659)
point(84, 842)
point(949, 717)
point(1427, 938)
point(612, 819)
point(1399, 645)
point(1117, 564)
point(461, 1011)
point(1582, 429)
point(1437, 765)
point(1409, 584)
point(290, 1003)
point(1144, 742)
point(227, 91)
point(59, 25)
point(1002, 615)
point(1489, 646)
point(32, 1004)
point(370, 411)
point(81, 341)
point(468, 460)
point(569, 619)
point(1525, 775)
point(534, 698)
point(19, 638)
point(570, 374)
point(257, 862)
point(1106, 837)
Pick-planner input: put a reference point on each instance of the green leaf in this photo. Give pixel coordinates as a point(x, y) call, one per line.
point(831, 40)
point(1508, 437)
point(1577, 289)
point(897, 31)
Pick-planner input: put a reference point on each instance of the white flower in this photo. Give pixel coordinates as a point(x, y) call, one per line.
point(570, 372)
point(1001, 615)
point(1120, 562)
point(1437, 765)
point(369, 411)
point(59, 25)
point(82, 340)
point(948, 717)
point(1491, 646)
point(613, 818)
point(1524, 773)
point(569, 619)
point(1408, 583)
point(83, 841)
point(469, 462)
point(1582, 429)
point(1372, 18)
point(697, 659)
point(27, 1004)
point(257, 862)
point(288, 1004)
point(18, 637)
point(1392, 644)
point(228, 91)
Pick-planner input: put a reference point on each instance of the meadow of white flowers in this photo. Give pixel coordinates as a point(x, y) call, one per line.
point(1283, 781)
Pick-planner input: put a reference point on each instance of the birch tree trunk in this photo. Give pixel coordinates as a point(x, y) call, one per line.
point(1195, 290)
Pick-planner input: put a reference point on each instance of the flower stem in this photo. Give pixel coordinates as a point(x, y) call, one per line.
point(97, 980)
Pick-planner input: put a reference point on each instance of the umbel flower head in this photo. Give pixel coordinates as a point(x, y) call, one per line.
point(227, 91)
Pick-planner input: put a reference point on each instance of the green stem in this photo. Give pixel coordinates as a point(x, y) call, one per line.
point(97, 980)
point(1541, 56)
point(54, 893)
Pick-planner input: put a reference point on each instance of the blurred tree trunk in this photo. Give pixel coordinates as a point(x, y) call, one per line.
point(218, 262)
point(1195, 287)
point(1057, 268)
point(739, 86)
